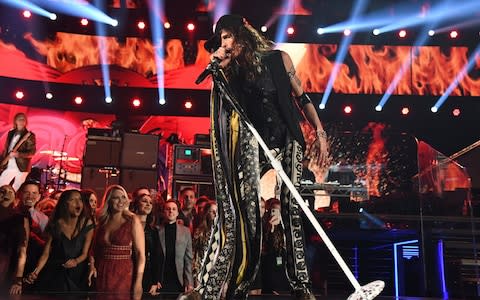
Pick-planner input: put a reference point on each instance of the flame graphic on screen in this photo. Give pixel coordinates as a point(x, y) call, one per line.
point(376, 158)
point(370, 69)
point(71, 51)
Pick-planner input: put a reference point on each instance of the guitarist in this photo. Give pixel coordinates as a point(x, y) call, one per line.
point(18, 152)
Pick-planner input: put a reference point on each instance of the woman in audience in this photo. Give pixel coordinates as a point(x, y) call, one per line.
point(14, 231)
point(63, 264)
point(142, 205)
point(90, 202)
point(119, 233)
point(201, 237)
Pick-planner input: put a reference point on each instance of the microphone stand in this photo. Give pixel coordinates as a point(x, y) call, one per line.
point(61, 164)
point(368, 291)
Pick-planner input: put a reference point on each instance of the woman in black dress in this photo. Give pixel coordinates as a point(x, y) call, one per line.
point(143, 206)
point(63, 265)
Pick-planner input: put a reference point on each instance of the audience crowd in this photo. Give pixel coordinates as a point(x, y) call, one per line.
point(120, 245)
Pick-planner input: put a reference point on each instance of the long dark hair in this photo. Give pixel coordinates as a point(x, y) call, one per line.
point(254, 46)
point(61, 212)
point(151, 216)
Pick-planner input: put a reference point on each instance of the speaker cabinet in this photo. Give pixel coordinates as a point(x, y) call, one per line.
point(133, 178)
point(102, 153)
point(139, 151)
point(192, 160)
point(97, 179)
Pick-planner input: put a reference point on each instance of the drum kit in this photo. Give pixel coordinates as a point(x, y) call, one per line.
point(55, 175)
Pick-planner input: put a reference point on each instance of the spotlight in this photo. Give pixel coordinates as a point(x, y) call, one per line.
point(453, 34)
point(27, 14)
point(321, 106)
point(19, 95)
point(347, 32)
point(78, 100)
point(191, 27)
point(114, 23)
point(188, 104)
point(167, 25)
point(108, 99)
point(52, 16)
point(378, 108)
point(141, 25)
point(84, 22)
point(162, 101)
point(49, 96)
point(405, 111)
point(347, 109)
point(290, 30)
point(376, 31)
point(434, 109)
point(431, 32)
point(136, 102)
point(320, 31)
point(264, 28)
point(402, 33)
point(456, 112)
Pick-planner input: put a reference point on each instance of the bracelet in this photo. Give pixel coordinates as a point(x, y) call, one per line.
point(18, 281)
point(304, 99)
point(321, 133)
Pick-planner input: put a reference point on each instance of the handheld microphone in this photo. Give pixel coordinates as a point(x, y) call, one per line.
point(210, 67)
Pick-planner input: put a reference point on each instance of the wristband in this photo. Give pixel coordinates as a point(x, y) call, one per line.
point(321, 133)
point(304, 99)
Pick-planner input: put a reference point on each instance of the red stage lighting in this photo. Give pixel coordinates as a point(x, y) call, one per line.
point(19, 95)
point(78, 100)
point(405, 111)
point(191, 27)
point(27, 14)
point(141, 25)
point(84, 22)
point(188, 104)
point(347, 109)
point(136, 102)
point(167, 25)
point(456, 112)
point(290, 30)
point(453, 34)
point(402, 33)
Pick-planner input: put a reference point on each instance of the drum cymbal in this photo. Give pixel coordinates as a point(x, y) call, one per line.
point(53, 152)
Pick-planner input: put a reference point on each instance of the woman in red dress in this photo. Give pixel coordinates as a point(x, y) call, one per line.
point(119, 234)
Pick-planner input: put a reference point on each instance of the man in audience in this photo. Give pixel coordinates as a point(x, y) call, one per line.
point(188, 213)
point(176, 242)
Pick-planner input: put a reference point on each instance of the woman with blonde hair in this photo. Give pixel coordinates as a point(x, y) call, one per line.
point(119, 234)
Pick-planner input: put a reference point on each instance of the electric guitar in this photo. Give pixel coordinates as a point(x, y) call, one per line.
point(4, 163)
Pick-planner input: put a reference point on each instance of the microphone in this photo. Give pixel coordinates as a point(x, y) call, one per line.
point(208, 69)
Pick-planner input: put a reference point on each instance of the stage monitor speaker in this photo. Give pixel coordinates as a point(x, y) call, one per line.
point(131, 179)
point(139, 151)
point(102, 153)
point(97, 179)
point(202, 187)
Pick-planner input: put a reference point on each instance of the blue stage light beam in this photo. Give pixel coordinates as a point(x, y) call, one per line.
point(221, 8)
point(22, 4)
point(342, 53)
point(440, 12)
point(456, 26)
point(157, 17)
point(459, 77)
point(441, 268)
point(281, 35)
point(81, 9)
point(103, 48)
point(420, 41)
